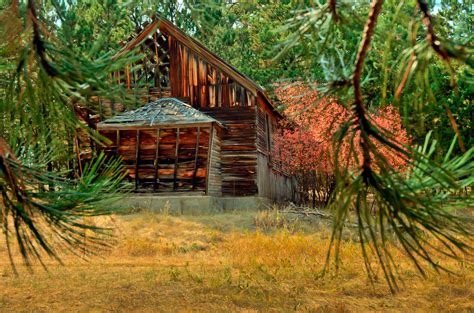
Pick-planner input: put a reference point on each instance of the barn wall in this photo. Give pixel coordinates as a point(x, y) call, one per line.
point(273, 184)
point(238, 150)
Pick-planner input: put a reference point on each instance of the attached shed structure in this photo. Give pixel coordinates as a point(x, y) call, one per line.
point(167, 146)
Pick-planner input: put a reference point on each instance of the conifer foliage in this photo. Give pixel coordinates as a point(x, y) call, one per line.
point(45, 196)
point(413, 208)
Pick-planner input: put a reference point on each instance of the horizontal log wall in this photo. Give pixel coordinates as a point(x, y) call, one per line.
point(238, 150)
point(169, 159)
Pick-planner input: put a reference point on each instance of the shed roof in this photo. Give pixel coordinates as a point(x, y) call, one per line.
point(164, 111)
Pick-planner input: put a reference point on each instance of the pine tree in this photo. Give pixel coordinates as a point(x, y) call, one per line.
point(374, 56)
point(45, 80)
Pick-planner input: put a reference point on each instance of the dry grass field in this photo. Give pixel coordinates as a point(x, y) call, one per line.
point(251, 261)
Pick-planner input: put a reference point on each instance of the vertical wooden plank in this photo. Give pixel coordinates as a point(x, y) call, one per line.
point(199, 84)
point(195, 81)
point(219, 89)
point(212, 87)
point(191, 76)
point(196, 151)
point(232, 94)
point(175, 185)
point(157, 160)
point(209, 156)
point(172, 66)
point(137, 159)
point(127, 74)
point(208, 85)
point(184, 71)
point(225, 91)
point(243, 97)
point(203, 83)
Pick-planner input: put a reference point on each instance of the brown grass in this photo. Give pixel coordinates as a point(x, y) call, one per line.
point(225, 262)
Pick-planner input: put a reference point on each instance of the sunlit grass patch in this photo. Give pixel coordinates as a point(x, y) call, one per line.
point(225, 262)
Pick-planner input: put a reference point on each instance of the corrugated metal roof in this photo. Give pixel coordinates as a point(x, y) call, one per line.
point(164, 111)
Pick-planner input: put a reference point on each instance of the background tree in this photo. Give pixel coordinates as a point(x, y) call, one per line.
point(303, 150)
point(393, 59)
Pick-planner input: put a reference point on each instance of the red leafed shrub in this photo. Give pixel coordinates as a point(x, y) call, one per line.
point(305, 147)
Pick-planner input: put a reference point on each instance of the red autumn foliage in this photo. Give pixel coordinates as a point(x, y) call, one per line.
point(305, 147)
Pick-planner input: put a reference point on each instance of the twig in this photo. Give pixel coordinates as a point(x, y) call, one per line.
point(431, 36)
point(332, 7)
point(359, 108)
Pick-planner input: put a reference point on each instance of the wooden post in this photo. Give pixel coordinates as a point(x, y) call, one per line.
point(196, 157)
point(137, 159)
point(157, 155)
point(175, 185)
point(127, 72)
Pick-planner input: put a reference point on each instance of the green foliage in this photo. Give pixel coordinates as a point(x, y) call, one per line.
point(45, 196)
point(395, 55)
point(246, 34)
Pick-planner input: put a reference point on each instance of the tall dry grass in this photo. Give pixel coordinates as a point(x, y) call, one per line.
point(248, 261)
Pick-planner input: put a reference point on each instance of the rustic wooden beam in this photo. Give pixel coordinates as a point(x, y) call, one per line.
point(196, 157)
point(137, 159)
point(127, 72)
point(175, 174)
point(123, 126)
point(137, 40)
point(157, 161)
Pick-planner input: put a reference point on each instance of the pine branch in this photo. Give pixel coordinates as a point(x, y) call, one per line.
point(432, 38)
point(359, 108)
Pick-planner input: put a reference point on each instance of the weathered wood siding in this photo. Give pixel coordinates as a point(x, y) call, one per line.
point(214, 177)
point(271, 181)
point(273, 184)
point(193, 77)
point(165, 159)
point(238, 150)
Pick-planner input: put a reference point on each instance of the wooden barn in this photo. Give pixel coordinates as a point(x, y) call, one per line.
point(200, 124)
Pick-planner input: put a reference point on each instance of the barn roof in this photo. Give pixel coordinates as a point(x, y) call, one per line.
point(162, 112)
